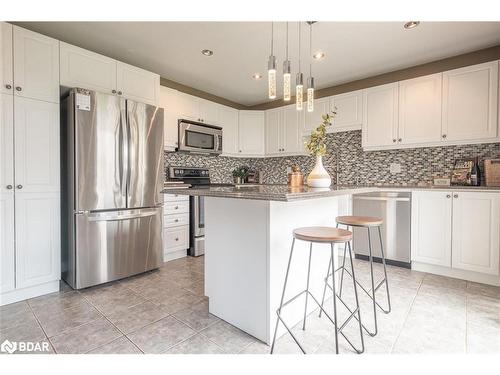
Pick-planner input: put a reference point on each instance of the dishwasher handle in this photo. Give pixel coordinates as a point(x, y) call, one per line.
point(398, 199)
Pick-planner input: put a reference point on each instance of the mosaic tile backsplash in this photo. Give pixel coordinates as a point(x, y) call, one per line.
point(355, 166)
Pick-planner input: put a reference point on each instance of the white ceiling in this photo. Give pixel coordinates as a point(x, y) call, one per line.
point(353, 50)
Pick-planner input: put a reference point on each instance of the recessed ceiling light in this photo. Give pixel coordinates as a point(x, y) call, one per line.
point(411, 24)
point(257, 76)
point(319, 55)
point(207, 52)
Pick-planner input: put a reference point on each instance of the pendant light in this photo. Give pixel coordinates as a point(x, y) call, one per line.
point(310, 79)
point(271, 68)
point(299, 88)
point(287, 76)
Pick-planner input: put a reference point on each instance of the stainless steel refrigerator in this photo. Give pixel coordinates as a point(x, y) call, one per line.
point(112, 178)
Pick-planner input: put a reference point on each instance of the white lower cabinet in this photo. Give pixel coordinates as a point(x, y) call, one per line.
point(175, 226)
point(7, 248)
point(458, 230)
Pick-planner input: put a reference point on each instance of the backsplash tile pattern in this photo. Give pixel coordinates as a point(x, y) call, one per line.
point(355, 165)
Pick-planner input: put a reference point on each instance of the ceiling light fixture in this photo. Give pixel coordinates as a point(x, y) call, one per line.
point(271, 68)
point(257, 76)
point(411, 25)
point(287, 76)
point(299, 83)
point(207, 52)
point(319, 56)
point(310, 79)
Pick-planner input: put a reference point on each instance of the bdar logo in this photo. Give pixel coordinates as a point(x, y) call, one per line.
point(8, 347)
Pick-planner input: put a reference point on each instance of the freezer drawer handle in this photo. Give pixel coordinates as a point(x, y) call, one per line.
point(117, 217)
point(399, 199)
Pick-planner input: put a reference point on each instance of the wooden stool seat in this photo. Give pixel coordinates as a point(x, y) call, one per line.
point(322, 234)
point(359, 221)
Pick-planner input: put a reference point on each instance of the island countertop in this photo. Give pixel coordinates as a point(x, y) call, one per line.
point(285, 193)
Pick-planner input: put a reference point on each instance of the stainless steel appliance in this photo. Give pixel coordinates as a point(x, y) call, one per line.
point(395, 209)
point(197, 178)
point(200, 138)
point(112, 178)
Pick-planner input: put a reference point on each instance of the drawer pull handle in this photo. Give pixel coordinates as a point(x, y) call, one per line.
point(176, 207)
point(176, 220)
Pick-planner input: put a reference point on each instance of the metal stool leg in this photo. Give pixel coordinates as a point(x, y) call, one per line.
point(385, 274)
point(357, 302)
point(373, 284)
point(282, 298)
point(334, 302)
point(307, 287)
point(324, 288)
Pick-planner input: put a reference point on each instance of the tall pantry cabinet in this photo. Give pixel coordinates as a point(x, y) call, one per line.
point(29, 166)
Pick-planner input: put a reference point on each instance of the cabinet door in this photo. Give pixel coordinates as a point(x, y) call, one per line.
point(314, 119)
point(36, 65)
point(209, 112)
point(137, 84)
point(7, 144)
point(7, 255)
point(89, 70)
point(476, 232)
point(470, 100)
point(380, 116)
point(273, 132)
point(7, 72)
point(168, 101)
point(36, 151)
point(292, 125)
point(431, 227)
point(228, 120)
point(420, 110)
point(38, 254)
point(188, 107)
point(349, 108)
point(251, 133)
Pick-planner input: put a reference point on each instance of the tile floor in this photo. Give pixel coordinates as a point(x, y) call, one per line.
point(164, 311)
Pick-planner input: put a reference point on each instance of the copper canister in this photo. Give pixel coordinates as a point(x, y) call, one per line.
point(296, 178)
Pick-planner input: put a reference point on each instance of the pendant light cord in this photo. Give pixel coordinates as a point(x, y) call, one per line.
point(299, 46)
point(310, 49)
point(272, 38)
point(287, 40)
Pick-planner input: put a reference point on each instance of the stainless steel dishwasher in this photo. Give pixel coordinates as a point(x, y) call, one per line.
point(395, 209)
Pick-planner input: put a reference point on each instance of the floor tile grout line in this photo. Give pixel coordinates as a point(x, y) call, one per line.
point(466, 320)
point(41, 327)
point(406, 315)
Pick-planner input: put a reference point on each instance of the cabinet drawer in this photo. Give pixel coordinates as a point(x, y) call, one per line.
point(170, 221)
point(176, 238)
point(176, 207)
point(175, 198)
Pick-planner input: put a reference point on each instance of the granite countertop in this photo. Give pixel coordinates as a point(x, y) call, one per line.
point(276, 192)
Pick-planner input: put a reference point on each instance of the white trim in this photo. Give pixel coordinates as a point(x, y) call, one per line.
point(30, 292)
point(167, 257)
point(455, 273)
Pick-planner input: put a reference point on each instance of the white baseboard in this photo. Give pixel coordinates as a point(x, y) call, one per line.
point(455, 273)
point(31, 292)
point(167, 257)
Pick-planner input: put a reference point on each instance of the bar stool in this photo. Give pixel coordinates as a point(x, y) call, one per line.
point(320, 235)
point(363, 222)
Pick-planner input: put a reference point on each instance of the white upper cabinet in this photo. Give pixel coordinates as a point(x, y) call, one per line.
point(314, 119)
point(293, 124)
point(251, 133)
point(228, 120)
point(380, 115)
point(188, 107)
point(36, 66)
point(7, 144)
point(7, 49)
point(274, 132)
point(420, 110)
point(476, 232)
point(431, 227)
point(168, 101)
point(470, 102)
point(349, 107)
point(137, 84)
point(209, 112)
point(86, 69)
point(36, 148)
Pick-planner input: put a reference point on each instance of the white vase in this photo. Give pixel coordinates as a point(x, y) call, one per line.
point(319, 177)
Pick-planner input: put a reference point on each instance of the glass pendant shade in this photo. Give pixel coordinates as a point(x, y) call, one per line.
point(271, 75)
point(299, 92)
point(310, 94)
point(287, 81)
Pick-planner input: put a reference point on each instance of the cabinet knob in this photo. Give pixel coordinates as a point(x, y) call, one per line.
point(176, 207)
point(400, 140)
point(113, 91)
point(8, 87)
point(119, 93)
point(394, 140)
point(19, 186)
point(9, 187)
point(19, 88)
point(443, 136)
point(448, 196)
point(177, 238)
point(455, 195)
point(239, 151)
point(176, 220)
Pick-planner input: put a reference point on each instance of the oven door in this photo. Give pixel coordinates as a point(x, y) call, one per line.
point(199, 138)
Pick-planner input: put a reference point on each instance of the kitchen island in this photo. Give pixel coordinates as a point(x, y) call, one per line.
point(248, 235)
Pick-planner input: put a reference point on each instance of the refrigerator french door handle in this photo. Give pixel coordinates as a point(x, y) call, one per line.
point(124, 165)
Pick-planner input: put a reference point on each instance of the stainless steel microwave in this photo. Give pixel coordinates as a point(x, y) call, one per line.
point(199, 138)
